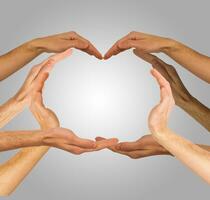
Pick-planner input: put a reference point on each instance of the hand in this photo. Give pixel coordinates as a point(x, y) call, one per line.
point(180, 93)
point(61, 42)
point(143, 147)
point(140, 41)
point(63, 138)
point(67, 140)
point(158, 117)
point(37, 76)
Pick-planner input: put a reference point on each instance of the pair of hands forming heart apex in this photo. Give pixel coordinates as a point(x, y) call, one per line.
point(65, 139)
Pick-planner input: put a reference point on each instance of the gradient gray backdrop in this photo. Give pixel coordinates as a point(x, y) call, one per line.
point(109, 98)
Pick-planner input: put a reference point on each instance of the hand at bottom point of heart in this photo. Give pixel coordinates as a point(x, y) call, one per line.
point(66, 140)
point(144, 147)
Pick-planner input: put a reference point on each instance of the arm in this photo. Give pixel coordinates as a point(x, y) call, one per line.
point(9, 110)
point(21, 164)
point(193, 61)
point(20, 56)
point(16, 139)
point(194, 157)
point(14, 170)
point(182, 97)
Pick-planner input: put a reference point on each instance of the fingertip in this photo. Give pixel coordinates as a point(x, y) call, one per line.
point(99, 56)
point(106, 56)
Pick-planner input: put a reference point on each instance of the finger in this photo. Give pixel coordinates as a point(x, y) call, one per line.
point(60, 56)
point(83, 143)
point(85, 46)
point(163, 83)
point(159, 78)
point(143, 153)
point(166, 96)
point(46, 68)
point(40, 82)
point(91, 49)
point(73, 149)
point(153, 60)
point(106, 143)
point(127, 146)
point(156, 63)
point(127, 44)
point(32, 74)
point(112, 148)
point(115, 49)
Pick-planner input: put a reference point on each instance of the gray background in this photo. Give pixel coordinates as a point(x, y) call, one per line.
point(108, 98)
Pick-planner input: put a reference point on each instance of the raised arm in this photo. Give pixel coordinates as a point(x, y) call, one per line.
point(193, 61)
point(194, 157)
point(20, 56)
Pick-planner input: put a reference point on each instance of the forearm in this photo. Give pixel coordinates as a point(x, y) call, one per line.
point(198, 111)
point(16, 169)
point(9, 110)
point(196, 158)
point(193, 61)
point(202, 146)
point(16, 139)
point(17, 58)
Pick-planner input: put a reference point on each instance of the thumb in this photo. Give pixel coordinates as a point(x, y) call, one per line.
point(145, 56)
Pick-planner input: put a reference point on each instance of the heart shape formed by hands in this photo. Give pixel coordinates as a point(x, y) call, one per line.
point(139, 41)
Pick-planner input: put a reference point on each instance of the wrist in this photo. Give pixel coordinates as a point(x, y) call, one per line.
point(195, 108)
point(38, 138)
point(47, 137)
point(170, 45)
point(35, 46)
point(157, 131)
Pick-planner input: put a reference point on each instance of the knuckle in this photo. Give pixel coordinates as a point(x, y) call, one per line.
point(132, 33)
point(73, 33)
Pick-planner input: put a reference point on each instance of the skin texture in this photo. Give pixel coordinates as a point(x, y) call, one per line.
point(193, 61)
point(15, 169)
point(20, 56)
point(147, 146)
